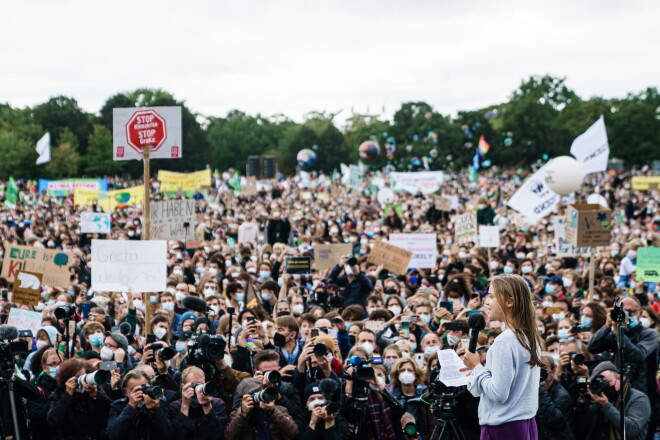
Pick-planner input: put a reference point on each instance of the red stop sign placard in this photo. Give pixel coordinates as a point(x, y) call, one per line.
point(145, 128)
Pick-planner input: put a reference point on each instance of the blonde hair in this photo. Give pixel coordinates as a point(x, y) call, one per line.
point(521, 316)
point(190, 370)
point(396, 369)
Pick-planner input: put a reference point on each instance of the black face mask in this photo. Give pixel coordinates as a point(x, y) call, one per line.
point(609, 273)
point(391, 292)
point(351, 339)
point(279, 340)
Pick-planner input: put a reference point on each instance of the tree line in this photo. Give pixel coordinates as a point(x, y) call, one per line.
point(540, 120)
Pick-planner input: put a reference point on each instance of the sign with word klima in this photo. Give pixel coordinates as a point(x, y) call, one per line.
point(136, 129)
point(95, 223)
point(118, 265)
point(54, 265)
point(465, 228)
point(392, 258)
point(422, 246)
point(27, 288)
point(172, 219)
point(648, 264)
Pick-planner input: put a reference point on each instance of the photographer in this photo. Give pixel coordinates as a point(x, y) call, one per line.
point(553, 417)
point(141, 414)
point(50, 361)
point(347, 275)
point(314, 362)
point(197, 415)
point(254, 421)
point(407, 387)
point(324, 422)
point(571, 365)
point(77, 411)
point(115, 348)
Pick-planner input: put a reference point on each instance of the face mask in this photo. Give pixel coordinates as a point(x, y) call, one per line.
point(558, 316)
point(413, 280)
point(264, 274)
point(314, 403)
point(265, 296)
point(348, 325)
point(180, 296)
point(555, 357)
point(107, 354)
point(507, 269)
point(549, 288)
point(280, 282)
point(240, 296)
point(586, 322)
point(213, 271)
point(389, 363)
point(96, 339)
point(633, 322)
point(180, 346)
point(348, 270)
point(216, 310)
point(426, 318)
point(177, 272)
point(137, 303)
point(168, 306)
point(520, 255)
point(493, 265)
point(562, 333)
point(567, 282)
point(614, 253)
point(547, 303)
point(298, 309)
point(406, 378)
point(462, 255)
point(208, 291)
point(433, 349)
point(160, 332)
point(452, 340)
point(632, 254)
point(526, 269)
point(368, 347)
point(199, 270)
point(42, 344)
point(52, 371)
point(646, 322)
point(381, 381)
point(279, 340)
point(395, 310)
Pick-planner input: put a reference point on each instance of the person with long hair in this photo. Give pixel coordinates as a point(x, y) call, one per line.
point(508, 384)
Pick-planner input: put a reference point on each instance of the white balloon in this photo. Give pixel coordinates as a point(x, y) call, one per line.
point(597, 199)
point(564, 175)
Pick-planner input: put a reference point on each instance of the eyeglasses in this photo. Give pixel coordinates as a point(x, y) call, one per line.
point(111, 347)
point(53, 364)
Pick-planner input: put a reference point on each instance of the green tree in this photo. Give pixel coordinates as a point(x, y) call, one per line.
point(65, 158)
point(18, 155)
point(98, 160)
point(62, 113)
point(634, 128)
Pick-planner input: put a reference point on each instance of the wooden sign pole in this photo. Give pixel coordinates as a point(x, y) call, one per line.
point(147, 214)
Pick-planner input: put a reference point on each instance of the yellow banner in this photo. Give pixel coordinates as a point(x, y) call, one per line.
point(173, 181)
point(109, 200)
point(641, 183)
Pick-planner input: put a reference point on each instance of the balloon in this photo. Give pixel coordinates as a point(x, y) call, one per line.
point(449, 158)
point(545, 156)
point(306, 157)
point(490, 114)
point(369, 150)
point(564, 175)
point(415, 137)
point(390, 148)
point(433, 153)
point(486, 163)
point(315, 147)
point(409, 148)
point(391, 140)
point(468, 145)
point(508, 142)
point(597, 199)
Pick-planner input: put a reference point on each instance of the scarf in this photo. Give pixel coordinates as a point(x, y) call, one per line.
point(380, 416)
point(615, 434)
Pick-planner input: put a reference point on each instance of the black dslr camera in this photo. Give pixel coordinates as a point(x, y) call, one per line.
point(204, 350)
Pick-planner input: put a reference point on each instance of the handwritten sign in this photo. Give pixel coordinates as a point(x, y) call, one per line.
point(563, 247)
point(54, 265)
point(327, 255)
point(25, 320)
point(648, 264)
point(120, 264)
point(392, 258)
point(95, 223)
point(443, 203)
point(489, 236)
point(27, 288)
point(588, 225)
point(422, 246)
point(466, 228)
point(172, 219)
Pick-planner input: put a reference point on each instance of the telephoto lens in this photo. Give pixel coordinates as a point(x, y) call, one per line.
point(266, 395)
point(99, 377)
point(153, 391)
point(598, 385)
point(332, 408)
point(208, 388)
point(320, 349)
point(273, 376)
point(578, 358)
point(165, 353)
point(410, 430)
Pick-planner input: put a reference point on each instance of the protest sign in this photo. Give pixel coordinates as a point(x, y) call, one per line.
point(588, 225)
point(172, 219)
point(109, 200)
point(385, 196)
point(251, 190)
point(426, 182)
point(95, 223)
point(25, 320)
point(392, 258)
point(465, 228)
point(299, 265)
point(443, 203)
point(489, 236)
point(392, 209)
point(53, 265)
point(327, 255)
point(643, 183)
point(591, 148)
point(62, 188)
point(27, 288)
point(137, 128)
point(171, 181)
point(563, 247)
point(648, 264)
point(422, 246)
point(534, 199)
point(118, 265)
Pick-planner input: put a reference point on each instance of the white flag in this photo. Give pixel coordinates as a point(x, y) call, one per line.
point(534, 199)
point(43, 148)
point(591, 148)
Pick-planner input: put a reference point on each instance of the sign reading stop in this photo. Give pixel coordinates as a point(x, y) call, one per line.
point(146, 129)
point(136, 129)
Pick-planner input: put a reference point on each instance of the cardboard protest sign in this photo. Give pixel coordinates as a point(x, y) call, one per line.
point(423, 247)
point(95, 223)
point(489, 236)
point(251, 190)
point(138, 128)
point(27, 288)
point(465, 228)
point(171, 181)
point(392, 258)
point(25, 320)
point(426, 182)
point(326, 256)
point(54, 265)
point(648, 264)
point(299, 265)
point(121, 264)
point(563, 247)
point(588, 225)
point(443, 203)
point(172, 219)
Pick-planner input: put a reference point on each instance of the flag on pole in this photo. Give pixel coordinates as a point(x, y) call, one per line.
point(591, 148)
point(235, 182)
point(12, 193)
point(484, 146)
point(43, 148)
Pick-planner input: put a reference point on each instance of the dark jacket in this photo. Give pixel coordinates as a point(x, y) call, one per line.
point(486, 216)
point(126, 422)
point(78, 416)
point(278, 231)
point(357, 291)
point(553, 418)
point(38, 408)
point(22, 390)
point(197, 425)
point(246, 427)
point(338, 431)
point(424, 419)
point(288, 398)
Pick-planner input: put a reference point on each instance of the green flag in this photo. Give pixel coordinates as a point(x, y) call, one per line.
point(12, 193)
point(235, 182)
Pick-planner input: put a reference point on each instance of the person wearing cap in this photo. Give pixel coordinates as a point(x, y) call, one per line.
point(606, 421)
point(555, 286)
point(115, 348)
point(321, 425)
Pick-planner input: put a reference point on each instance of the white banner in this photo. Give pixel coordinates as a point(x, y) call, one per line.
point(423, 247)
point(489, 236)
point(563, 248)
point(172, 219)
point(134, 129)
point(534, 199)
point(43, 148)
point(95, 223)
point(426, 182)
point(25, 320)
point(121, 264)
point(591, 148)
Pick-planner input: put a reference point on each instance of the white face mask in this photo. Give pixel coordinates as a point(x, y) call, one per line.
point(493, 265)
point(558, 316)
point(315, 403)
point(298, 309)
point(432, 349)
point(394, 309)
point(567, 282)
point(646, 322)
point(348, 270)
point(208, 292)
point(160, 332)
point(380, 381)
point(137, 303)
point(520, 256)
point(368, 347)
point(107, 354)
point(406, 378)
point(452, 339)
point(547, 303)
point(42, 344)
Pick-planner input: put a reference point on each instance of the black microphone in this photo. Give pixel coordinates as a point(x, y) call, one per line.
point(125, 329)
point(329, 388)
point(476, 322)
point(8, 332)
point(193, 303)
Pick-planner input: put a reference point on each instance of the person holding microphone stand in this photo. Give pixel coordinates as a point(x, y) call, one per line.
point(508, 384)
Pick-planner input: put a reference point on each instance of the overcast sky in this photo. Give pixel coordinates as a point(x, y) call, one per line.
point(292, 57)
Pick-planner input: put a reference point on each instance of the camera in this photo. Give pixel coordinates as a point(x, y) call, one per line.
point(153, 391)
point(363, 371)
point(332, 408)
point(598, 384)
point(99, 377)
point(336, 301)
point(161, 352)
point(274, 377)
point(577, 358)
point(208, 388)
point(544, 374)
point(441, 397)
point(65, 311)
point(320, 349)
point(266, 395)
point(410, 430)
point(204, 350)
point(618, 314)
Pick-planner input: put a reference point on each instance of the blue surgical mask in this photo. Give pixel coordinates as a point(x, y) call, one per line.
point(389, 363)
point(413, 280)
point(413, 347)
point(549, 288)
point(168, 306)
point(180, 346)
point(52, 371)
point(507, 269)
point(426, 318)
point(562, 333)
point(526, 269)
point(240, 296)
point(265, 296)
point(586, 322)
point(280, 282)
point(348, 325)
point(614, 253)
point(96, 339)
point(264, 274)
point(633, 322)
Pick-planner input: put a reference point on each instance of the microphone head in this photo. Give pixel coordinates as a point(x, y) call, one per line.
point(477, 321)
point(329, 388)
point(125, 329)
point(204, 340)
point(8, 332)
point(193, 303)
